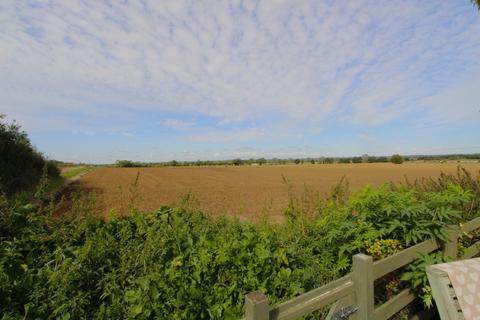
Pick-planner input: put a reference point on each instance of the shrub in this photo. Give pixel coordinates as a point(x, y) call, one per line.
point(329, 160)
point(166, 264)
point(131, 164)
point(373, 159)
point(357, 160)
point(396, 158)
point(237, 162)
point(344, 160)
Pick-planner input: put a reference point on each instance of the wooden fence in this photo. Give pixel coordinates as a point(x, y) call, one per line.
point(355, 291)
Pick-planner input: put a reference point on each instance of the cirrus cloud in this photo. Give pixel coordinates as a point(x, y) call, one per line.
point(291, 64)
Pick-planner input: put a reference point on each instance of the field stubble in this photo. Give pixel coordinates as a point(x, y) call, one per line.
point(248, 192)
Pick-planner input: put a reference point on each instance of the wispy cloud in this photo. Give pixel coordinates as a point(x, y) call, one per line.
point(216, 136)
point(178, 124)
point(301, 64)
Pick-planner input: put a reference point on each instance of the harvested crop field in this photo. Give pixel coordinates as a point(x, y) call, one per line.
point(244, 191)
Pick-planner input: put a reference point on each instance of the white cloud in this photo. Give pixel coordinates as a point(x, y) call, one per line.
point(293, 63)
point(216, 136)
point(460, 103)
point(178, 124)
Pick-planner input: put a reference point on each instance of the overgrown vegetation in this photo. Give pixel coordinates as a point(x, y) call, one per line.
point(181, 264)
point(21, 165)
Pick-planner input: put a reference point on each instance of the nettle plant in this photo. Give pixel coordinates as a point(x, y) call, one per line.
point(409, 216)
point(402, 217)
point(415, 276)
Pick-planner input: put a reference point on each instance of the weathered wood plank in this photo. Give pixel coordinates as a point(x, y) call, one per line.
point(450, 248)
point(471, 225)
point(363, 282)
point(389, 264)
point(256, 306)
point(395, 304)
point(313, 300)
point(471, 251)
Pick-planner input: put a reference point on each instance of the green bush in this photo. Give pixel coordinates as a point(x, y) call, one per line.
point(344, 160)
point(237, 162)
point(165, 264)
point(130, 164)
point(377, 159)
point(396, 158)
point(21, 166)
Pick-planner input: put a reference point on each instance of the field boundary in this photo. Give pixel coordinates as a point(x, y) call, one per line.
point(77, 173)
point(354, 292)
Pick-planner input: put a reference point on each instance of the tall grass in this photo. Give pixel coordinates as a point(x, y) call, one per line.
point(74, 172)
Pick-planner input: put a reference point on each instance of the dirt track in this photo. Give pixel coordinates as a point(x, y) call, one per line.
point(244, 191)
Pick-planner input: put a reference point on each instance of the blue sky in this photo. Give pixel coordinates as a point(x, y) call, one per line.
point(98, 81)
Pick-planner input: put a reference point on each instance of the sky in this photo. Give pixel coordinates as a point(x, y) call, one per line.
point(96, 81)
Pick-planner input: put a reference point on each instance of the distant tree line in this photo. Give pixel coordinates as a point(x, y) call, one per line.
point(320, 160)
point(459, 156)
point(131, 164)
point(69, 163)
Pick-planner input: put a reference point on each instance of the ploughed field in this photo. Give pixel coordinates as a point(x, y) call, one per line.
point(248, 192)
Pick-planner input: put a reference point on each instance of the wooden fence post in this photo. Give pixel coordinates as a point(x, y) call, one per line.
point(451, 246)
point(363, 283)
point(256, 306)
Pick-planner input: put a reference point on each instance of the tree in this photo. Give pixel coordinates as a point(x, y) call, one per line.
point(21, 165)
point(237, 162)
point(329, 160)
point(373, 159)
point(357, 159)
point(476, 3)
point(396, 158)
point(124, 163)
point(261, 161)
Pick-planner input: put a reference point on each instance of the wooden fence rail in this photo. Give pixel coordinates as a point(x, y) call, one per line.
point(356, 290)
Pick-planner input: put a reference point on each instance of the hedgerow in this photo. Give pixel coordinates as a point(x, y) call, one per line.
point(21, 165)
point(167, 264)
